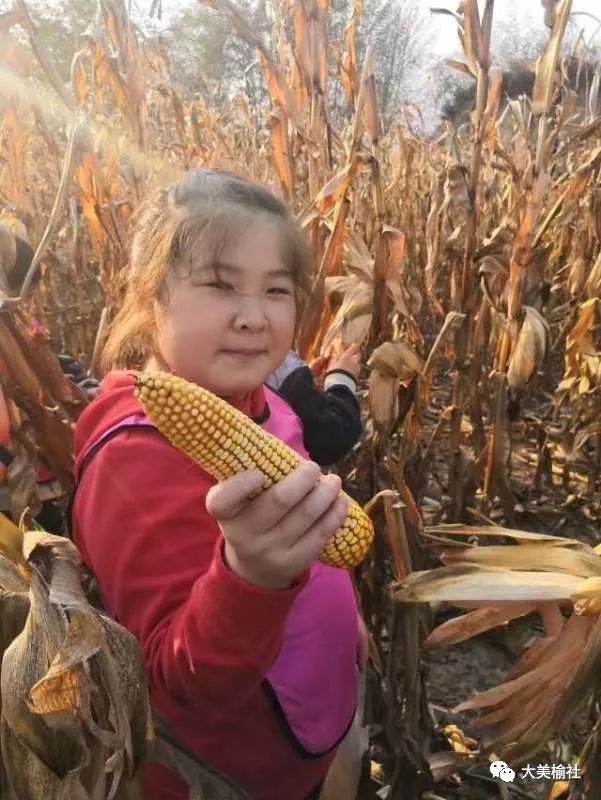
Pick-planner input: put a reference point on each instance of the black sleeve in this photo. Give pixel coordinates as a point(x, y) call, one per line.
point(74, 370)
point(331, 419)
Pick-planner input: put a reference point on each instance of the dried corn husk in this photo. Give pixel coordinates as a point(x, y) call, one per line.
point(530, 349)
point(75, 717)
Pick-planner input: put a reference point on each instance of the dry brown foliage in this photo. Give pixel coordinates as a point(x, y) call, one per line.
point(467, 266)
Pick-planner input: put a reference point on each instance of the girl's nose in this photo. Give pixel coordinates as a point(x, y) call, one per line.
point(250, 314)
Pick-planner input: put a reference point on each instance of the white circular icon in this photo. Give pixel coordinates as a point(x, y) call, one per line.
point(499, 769)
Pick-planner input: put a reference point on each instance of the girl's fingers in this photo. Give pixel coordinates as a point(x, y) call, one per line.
point(227, 499)
point(309, 546)
point(271, 506)
point(311, 508)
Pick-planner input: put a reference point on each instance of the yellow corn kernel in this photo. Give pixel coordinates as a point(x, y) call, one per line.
point(224, 441)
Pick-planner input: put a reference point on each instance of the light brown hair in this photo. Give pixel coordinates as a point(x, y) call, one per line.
point(205, 210)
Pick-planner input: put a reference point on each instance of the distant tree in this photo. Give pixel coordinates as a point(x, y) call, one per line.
point(398, 31)
point(207, 56)
point(61, 24)
point(517, 41)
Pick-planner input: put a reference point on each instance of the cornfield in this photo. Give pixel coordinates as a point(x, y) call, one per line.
point(466, 265)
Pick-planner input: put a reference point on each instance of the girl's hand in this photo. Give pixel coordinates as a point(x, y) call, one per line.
point(349, 360)
point(270, 540)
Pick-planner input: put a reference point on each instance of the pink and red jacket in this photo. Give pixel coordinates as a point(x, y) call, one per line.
point(260, 683)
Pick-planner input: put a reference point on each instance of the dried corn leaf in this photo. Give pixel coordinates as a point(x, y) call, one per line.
point(85, 177)
point(310, 29)
point(370, 109)
point(280, 150)
point(593, 281)
point(577, 276)
point(337, 287)
point(15, 366)
point(357, 257)
point(349, 74)
point(281, 94)
point(34, 342)
point(471, 35)
point(539, 556)
point(450, 326)
point(463, 582)
point(22, 478)
point(396, 251)
point(545, 82)
point(579, 340)
point(573, 635)
point(460, 66)
point(493, 104)
point(58, 694)
point(331, 263)
point(517, 723)
point(353, 318)
point(14, 603)
point(11, 541)
point(383, 399)
point(476, 622)
point(396, 359)
point(79, 79)
point(510, 533)
point(433, 233)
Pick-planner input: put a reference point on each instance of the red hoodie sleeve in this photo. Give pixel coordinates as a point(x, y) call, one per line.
point(141, 523)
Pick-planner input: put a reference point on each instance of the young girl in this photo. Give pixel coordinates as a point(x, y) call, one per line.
point(249, 642)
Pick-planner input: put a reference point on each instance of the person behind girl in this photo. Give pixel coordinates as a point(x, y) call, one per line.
point(249, 642)
point(16, 256)
point(331, 418)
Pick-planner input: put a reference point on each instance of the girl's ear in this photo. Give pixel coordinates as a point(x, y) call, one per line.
point(158, 314)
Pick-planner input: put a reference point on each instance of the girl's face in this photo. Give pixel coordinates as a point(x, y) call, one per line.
point(227, 326)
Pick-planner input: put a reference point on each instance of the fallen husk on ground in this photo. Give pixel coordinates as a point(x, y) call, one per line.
point(560, 579)
point(76, 722)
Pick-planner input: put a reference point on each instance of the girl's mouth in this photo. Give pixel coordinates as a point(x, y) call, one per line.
point(243, 353)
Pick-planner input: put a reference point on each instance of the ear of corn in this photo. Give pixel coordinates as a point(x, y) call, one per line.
point(76, 718)
point(224, 441)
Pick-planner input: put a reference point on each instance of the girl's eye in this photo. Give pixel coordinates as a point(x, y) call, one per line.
point(221, 285)
point(279, 290)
